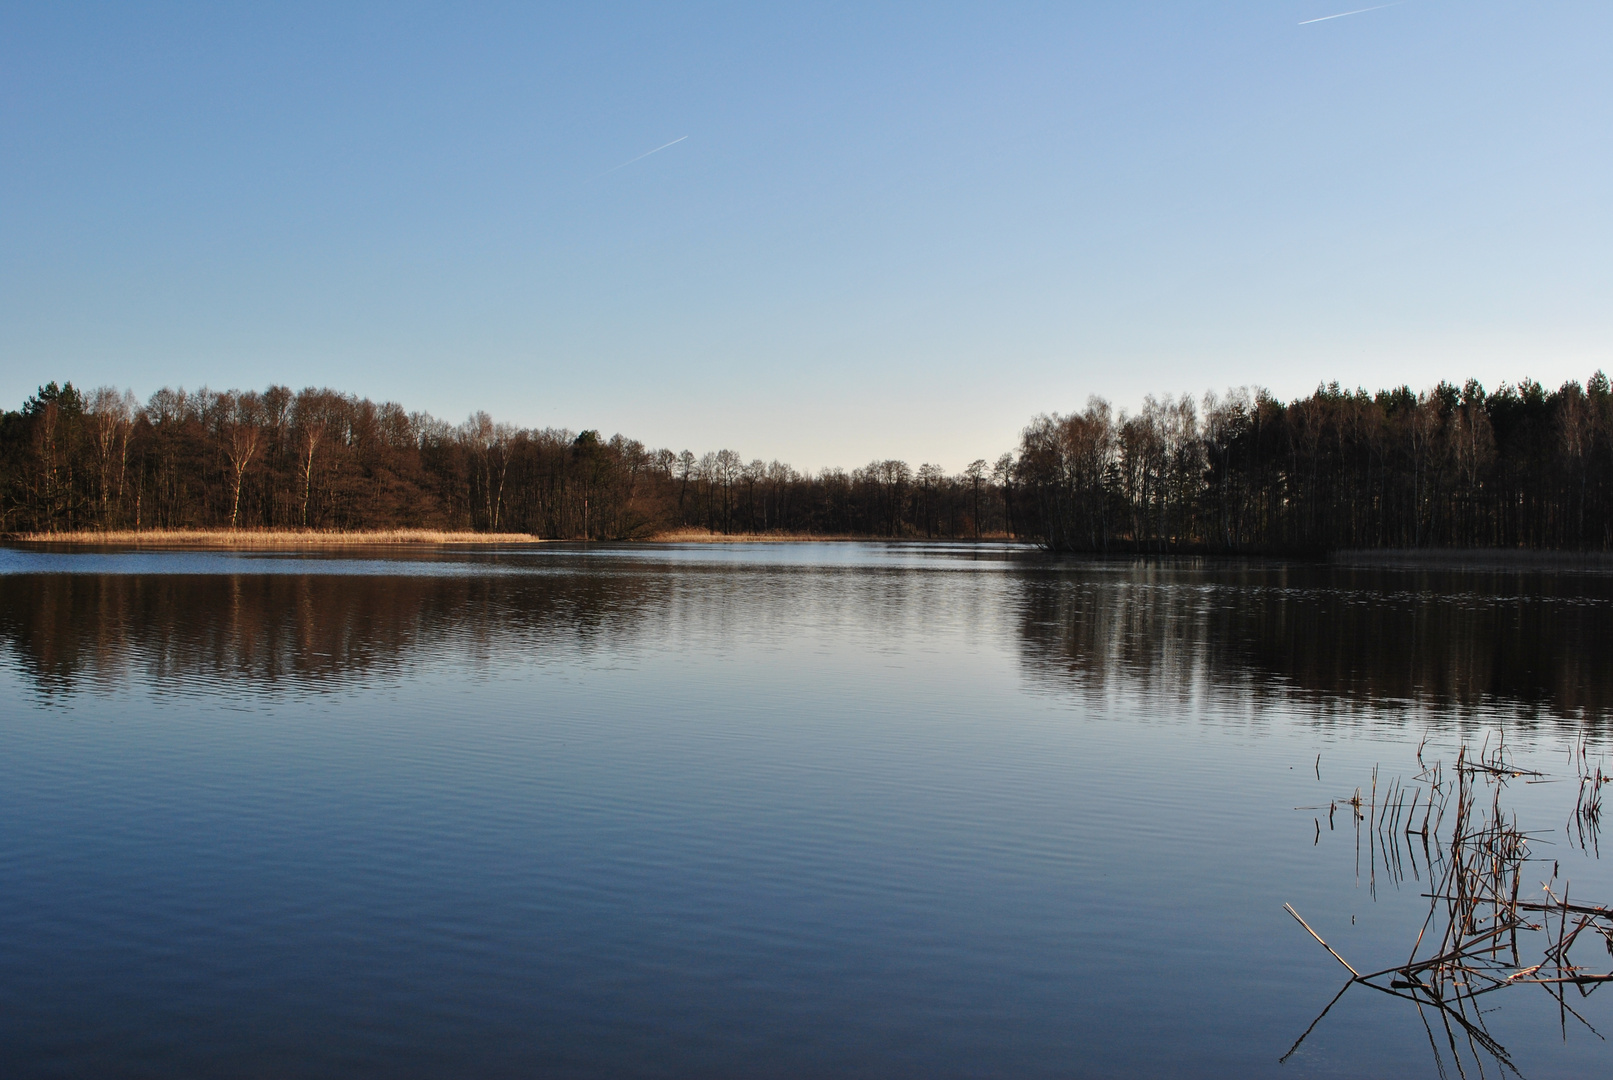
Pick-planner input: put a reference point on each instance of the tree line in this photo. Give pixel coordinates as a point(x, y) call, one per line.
point(72, 460)
point(1522, 467)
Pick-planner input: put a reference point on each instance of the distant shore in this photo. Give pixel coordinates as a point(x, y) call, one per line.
point(292, 539)
point(267, 538)
point(705, 536)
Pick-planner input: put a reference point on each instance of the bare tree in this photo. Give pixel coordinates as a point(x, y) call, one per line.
point(728, 466)
point(489, 444)
point(239, 416)
point(311, 418)
point(975, 473)
point(930, 480)
point(111, 415)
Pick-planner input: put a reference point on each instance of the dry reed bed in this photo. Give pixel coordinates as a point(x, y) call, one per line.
point(300, 538)
point(268, 538)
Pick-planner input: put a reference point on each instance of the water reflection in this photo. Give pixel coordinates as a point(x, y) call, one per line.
point(1529, 645)
point(309, 631)
point(584, 813)
point(1219, 635)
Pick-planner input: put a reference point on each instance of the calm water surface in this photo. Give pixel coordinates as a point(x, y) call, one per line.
point(751, 810)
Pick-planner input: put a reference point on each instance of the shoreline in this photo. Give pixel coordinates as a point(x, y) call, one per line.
point(702, 536)
point(310, 538)
point(268, 538)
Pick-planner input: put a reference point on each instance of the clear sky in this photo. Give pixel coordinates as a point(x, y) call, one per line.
point(888, 231)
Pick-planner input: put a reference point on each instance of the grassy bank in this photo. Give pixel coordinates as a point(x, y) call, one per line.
point(267, 538)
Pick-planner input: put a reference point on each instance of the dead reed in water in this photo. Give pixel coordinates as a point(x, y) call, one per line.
point(1482, 926)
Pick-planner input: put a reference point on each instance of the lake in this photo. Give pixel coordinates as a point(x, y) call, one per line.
point(768, 810)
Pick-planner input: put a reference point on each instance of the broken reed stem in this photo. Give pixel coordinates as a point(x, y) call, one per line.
point(1290, 909)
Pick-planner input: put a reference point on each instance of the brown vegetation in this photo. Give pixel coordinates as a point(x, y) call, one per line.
point(268, 538)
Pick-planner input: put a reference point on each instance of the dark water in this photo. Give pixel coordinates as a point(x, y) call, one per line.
point(770, 810)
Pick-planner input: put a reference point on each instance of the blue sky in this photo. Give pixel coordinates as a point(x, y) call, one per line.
point(888, 231)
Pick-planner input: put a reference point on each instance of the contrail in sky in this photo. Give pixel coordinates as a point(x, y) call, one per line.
point(1340, 15)
point(644, 155)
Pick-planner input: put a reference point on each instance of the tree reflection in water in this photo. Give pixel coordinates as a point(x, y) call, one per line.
point(309, 632)
point(1225, 636)
point(1346, 641)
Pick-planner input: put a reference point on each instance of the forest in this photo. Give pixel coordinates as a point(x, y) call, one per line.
point(1520, 467)
point(318, 459)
